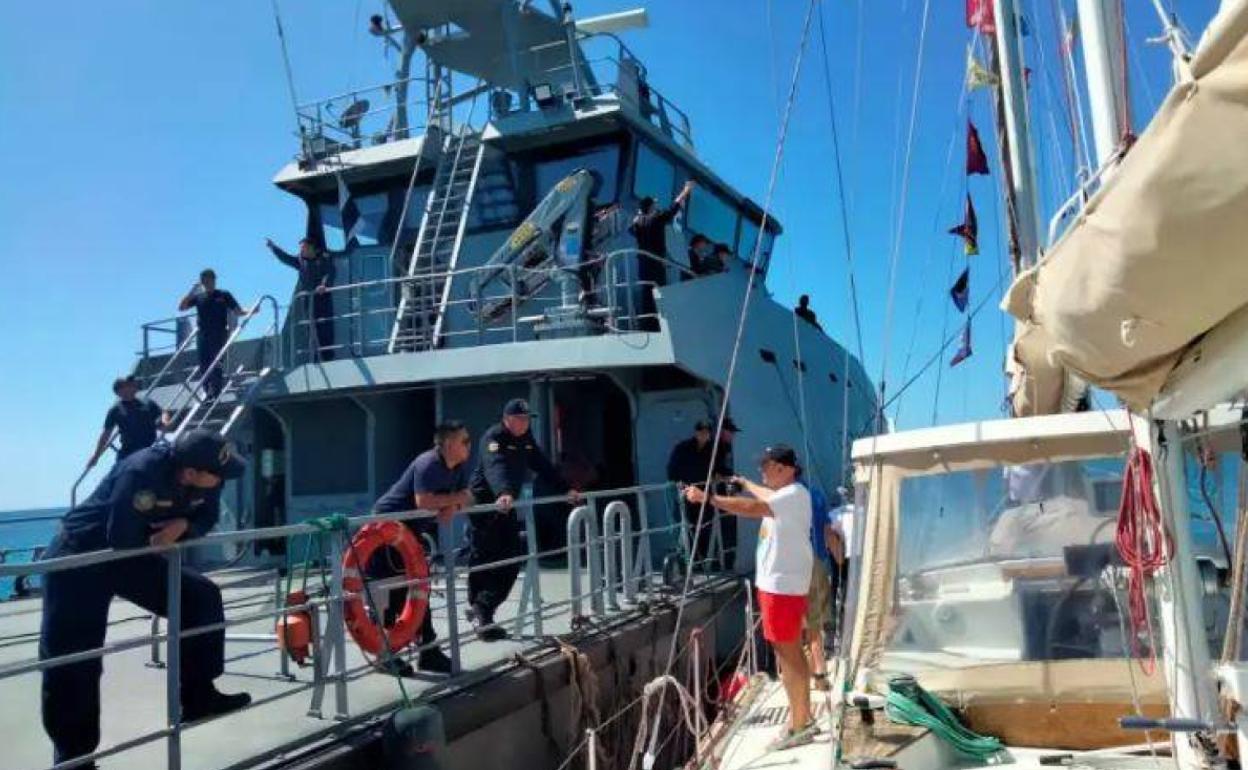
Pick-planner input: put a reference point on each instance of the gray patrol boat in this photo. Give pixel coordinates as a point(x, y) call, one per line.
point(477, 213)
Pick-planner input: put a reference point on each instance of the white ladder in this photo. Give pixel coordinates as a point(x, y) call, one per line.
point(192, 407)
point(423, 299)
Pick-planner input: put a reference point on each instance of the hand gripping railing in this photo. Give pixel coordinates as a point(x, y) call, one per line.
point(617, 537)
point(582, 536)
point(329, 642)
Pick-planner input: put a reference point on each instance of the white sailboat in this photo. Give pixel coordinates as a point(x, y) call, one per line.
point(1001, 568)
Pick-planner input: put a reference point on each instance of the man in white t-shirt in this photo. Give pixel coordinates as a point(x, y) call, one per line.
point(783, 564)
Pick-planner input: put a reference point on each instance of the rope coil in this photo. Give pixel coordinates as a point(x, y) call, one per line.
point(1145, 546)
point(908, 703)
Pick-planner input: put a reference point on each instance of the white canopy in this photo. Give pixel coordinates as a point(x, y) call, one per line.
point(1159, 257)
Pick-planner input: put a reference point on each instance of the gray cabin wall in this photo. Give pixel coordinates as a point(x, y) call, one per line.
point(327, 457)
point(403, 424)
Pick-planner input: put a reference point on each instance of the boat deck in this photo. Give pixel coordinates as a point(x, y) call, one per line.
point(740, 742)
point(133, 690)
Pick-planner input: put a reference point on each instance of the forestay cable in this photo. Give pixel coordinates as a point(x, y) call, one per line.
point(736, 345)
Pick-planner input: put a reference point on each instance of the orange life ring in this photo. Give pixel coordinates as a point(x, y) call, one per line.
point(372, 536)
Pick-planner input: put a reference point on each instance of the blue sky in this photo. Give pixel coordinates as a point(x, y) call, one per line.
point(139, 140)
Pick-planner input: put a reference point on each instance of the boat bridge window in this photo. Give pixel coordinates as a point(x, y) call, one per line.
point(331, 224)
point(604, 161)
point(712, 216)
point(655, 175)
point(372, 210)
point(749, 239)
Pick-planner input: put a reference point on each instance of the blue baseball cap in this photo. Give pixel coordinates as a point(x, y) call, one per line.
point(517, 407)
point(205, 450)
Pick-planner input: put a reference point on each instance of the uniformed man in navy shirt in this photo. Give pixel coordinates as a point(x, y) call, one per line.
point(157, 496)
point(213, 307)
point(136, 420)
point(508, 453)
point(316, 276)
point(437, 480)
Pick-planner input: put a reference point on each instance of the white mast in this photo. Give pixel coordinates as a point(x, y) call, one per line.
point(1018, 130)
point(1102, 59)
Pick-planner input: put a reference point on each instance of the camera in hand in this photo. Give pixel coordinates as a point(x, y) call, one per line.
point(727, 487)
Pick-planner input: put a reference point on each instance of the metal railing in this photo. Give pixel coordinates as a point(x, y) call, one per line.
point(174, 359)
point(191, 408)
point(346, 121)
point(499, 304)
point(618, 72)
point(330, 668)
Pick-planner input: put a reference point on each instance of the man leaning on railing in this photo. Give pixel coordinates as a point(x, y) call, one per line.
point(155, 497)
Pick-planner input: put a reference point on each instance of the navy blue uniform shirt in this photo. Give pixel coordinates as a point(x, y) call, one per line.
point(312, 272)
point(650, 229)
point(505, 462)
point(426, 474)
point(139, 492)
point(136, 422)
point(688, 464)
point(212, 311)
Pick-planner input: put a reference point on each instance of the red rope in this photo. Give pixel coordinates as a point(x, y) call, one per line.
point(1145, 547)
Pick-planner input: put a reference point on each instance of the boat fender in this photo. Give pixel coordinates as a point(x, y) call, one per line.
point(414, 739)
point(371, 538)
point(294, 629)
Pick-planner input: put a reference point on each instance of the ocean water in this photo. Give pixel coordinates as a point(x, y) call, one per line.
point(20, 531)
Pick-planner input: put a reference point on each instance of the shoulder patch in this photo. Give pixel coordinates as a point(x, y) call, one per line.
point(144, 501)
point(492, 446)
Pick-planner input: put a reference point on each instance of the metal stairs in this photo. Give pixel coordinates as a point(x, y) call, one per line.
point(424, 295)
point(192, 407)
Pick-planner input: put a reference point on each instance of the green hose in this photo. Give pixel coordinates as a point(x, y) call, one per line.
point(908, 703)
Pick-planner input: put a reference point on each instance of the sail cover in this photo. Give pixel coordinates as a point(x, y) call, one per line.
point(1159, 256)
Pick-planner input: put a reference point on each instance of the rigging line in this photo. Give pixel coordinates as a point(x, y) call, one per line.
point(857, 113)
point(944, 330)
point(1127, 128)
point(958, 122)
point(1075, 95)
point(844, 209)
point(949, 340)
point(1141, 74)
point(1049, 92)
point(740, 334)
point(896, 255)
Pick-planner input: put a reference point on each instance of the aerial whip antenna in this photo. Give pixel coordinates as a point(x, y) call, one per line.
point(290, 77)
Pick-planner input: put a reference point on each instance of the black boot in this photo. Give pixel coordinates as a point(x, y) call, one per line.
point(434, 661)
point(210, 702)
point(483, 623)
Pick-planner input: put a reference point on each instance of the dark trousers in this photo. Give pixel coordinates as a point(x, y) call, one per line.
point(213, 380)
point(700, 538)
point(382, 567)
point(323, 318)
point(492, 537)
point(75, 614)
point(650, 274)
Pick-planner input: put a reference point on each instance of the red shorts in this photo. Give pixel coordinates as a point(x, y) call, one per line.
point(782, 616)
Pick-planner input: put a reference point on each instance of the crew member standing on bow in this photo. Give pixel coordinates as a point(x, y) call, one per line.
point(157, 496)
point(508, 453)
point(437, 480)
point(316, 275)
point(212, 312)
